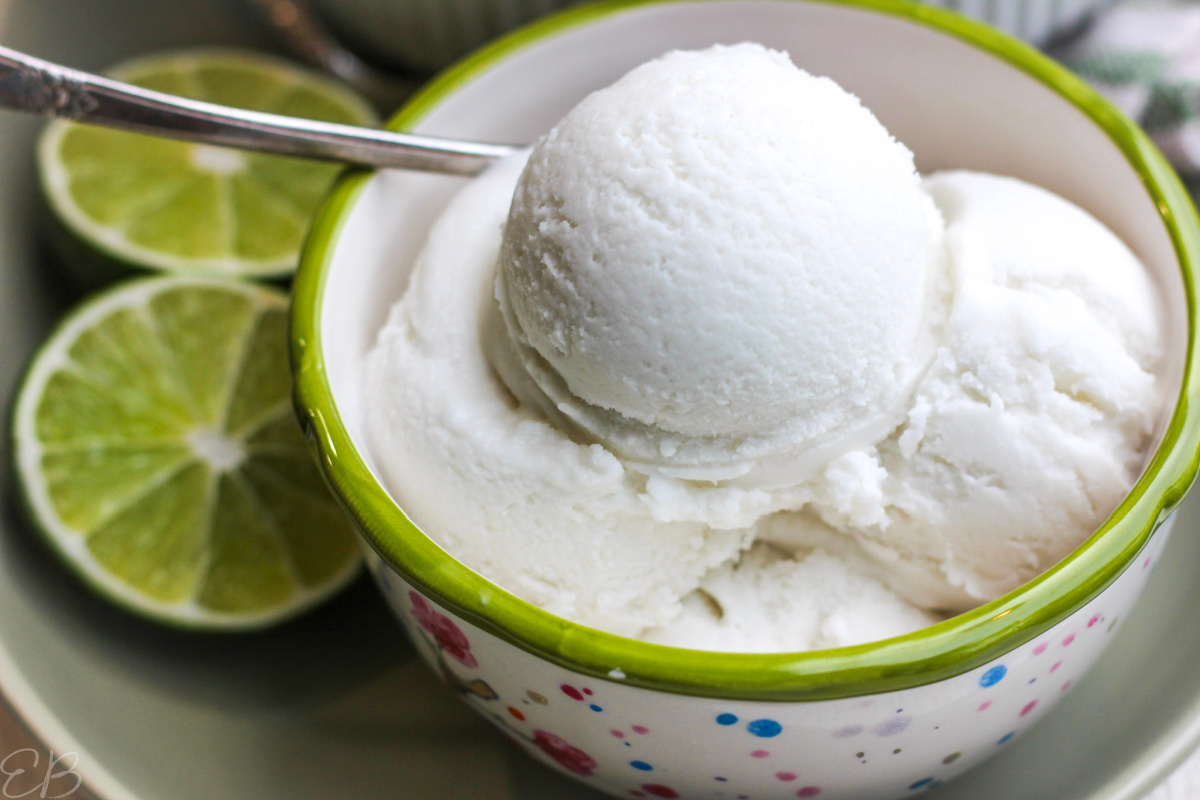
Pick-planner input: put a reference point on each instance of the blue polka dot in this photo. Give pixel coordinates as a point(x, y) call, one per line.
point(921, 784)
point(727, 719)
point(993, 676)
point(642, 765)
point(595, 707)
point(1007, 737)
point(892, 726)
point(764, 728)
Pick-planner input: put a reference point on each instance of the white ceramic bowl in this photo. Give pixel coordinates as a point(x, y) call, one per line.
point(428, 34)
point(878, 720)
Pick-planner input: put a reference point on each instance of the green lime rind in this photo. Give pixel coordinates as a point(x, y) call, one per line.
point(157, 453)
point(129, 203)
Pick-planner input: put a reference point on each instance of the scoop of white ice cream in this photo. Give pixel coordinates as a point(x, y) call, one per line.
point(718, 257)
point(1035, 417)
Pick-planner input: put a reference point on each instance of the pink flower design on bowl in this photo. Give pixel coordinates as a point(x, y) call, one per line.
point(449, 638)
point(564, 754)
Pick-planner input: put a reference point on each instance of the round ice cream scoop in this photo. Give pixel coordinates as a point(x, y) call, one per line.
point(721, 250)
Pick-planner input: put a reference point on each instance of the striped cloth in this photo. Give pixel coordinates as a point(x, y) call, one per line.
point(1144, 56)
point(1032, 20)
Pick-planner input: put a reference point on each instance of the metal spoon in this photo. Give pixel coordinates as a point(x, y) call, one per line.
point(39, 87)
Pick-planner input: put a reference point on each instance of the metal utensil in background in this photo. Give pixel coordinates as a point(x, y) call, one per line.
point(310, 40)
point(39, 87)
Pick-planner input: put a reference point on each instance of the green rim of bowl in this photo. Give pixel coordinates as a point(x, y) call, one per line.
point(935, 653)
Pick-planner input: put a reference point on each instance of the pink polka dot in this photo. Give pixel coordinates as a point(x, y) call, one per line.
point(759, 754)
point(809, 791)
point(1029, 707)
point(1055, 666)
point(640, 729)
point(588, 692)
point(658, 790)
point(1041, 648)
point(1093, 620)
point(618, 734)
point(1146, 563)
point(571, 692)
point(1066, 686)
point(1067, 641)
point(786, 776)
point(985, 706)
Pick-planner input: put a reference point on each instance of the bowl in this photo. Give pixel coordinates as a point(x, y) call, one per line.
point(635, 719)
point(425, 35)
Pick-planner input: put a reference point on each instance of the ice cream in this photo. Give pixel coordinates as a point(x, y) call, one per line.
point(770, 600)
point(684, 275)
point(714, 367)
point(1037, 413)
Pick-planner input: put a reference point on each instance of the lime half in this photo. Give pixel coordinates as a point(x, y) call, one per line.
point(144, 202)
point(157, 451)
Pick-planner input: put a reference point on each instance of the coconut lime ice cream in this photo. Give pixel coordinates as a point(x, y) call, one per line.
point(715, 367)
point(691, 253)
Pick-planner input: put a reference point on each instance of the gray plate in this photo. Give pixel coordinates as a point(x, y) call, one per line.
point(336, 704)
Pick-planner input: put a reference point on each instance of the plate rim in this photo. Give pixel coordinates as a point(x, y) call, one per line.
point(46, 730)
point(1158, 758)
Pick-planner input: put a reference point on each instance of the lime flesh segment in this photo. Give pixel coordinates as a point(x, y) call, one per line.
point(157, 546)
point(87, 486)
point(261, 389)
point(159, 204)
point(250, 567)
point(157, 452)
point(205, 357)
point(290, 492)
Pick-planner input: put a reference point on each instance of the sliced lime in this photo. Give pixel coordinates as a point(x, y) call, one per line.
point(157, 451)
point(149, 203)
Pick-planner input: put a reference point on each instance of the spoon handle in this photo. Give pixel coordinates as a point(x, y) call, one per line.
point(39, 87)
